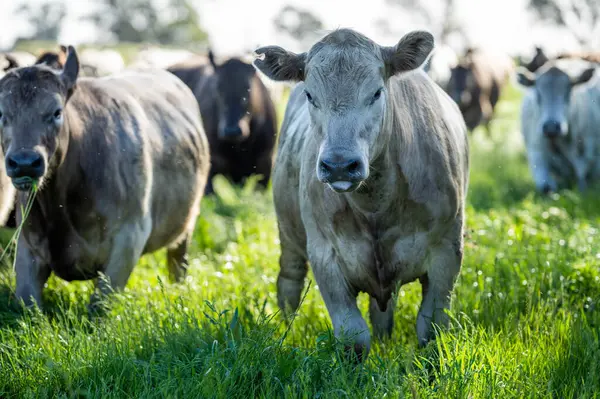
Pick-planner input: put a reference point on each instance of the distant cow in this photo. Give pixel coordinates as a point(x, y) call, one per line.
point(22, 58)
point(102, 62)
point(238, 114)
point(560, 124)
point(120, 162)
point(53, 59)
point(538, 60)
point(7, 62)
point(476, 84)
point(582, 55)
point(370, 180)
point(439, 65)
point(56, 60)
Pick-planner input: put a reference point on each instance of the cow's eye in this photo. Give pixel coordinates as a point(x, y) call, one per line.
point(377, 95)
point(58, 114)
point(308, 96)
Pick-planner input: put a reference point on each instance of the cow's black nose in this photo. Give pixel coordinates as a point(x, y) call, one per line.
point(551, 128)
point(232, 131)
point(346, 170)
point(25, 164)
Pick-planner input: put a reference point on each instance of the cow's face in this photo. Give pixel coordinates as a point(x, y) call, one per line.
point(234, 84)
point(32, 100)
point(462, 86)
point(553, 85)
point(345, 76)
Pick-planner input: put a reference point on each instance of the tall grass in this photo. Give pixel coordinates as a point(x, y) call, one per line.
point(525, 316)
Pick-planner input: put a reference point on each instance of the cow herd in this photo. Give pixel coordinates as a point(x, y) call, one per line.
point(104, 162)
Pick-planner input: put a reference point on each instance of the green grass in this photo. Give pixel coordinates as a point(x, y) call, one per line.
point(526, 318)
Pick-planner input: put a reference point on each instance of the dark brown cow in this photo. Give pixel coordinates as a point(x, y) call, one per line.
point(53, 59)
point(238, 114)
point(121, 163)
point(57, 60)
point(476, 84)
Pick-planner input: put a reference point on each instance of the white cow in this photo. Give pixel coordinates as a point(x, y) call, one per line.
point(560, 123)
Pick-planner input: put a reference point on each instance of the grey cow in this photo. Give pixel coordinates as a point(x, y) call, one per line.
point(121, 163)
point(560, 123)
point(370, 180)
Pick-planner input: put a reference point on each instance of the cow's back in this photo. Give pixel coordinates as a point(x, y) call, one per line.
point(427, 122)
point(142, 148)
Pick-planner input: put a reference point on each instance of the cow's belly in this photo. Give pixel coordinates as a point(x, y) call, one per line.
point(377, 266)
point(78, 260)
point(69, 256)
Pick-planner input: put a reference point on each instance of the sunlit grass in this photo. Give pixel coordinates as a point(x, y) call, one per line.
point(525, 312)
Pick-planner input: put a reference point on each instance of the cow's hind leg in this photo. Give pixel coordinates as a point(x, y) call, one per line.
point(177, 261)
point(290, 281)
point(382, 321)
point(437, 287)
point(126, 251)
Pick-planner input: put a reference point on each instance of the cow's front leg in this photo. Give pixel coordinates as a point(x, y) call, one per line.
point(437, 285)
point(382, 321)
point(128, 245)
point(32, 273)
point(348, 323)
point(540, 170)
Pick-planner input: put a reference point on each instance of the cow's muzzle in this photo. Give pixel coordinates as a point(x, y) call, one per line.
point(25, 167)
point(342, 173)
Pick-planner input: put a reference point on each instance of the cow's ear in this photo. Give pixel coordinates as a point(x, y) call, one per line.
point(525, 78)
point(70, 70)
point(583, 77)
point(281, 65)
point(211, 58)
point(409, 54)
point(62, 55)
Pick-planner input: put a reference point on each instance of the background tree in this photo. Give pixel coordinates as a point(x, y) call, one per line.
point(299, 24)
point(142, 21)
point(45, 19)
point(440, 16)
point(580, 17)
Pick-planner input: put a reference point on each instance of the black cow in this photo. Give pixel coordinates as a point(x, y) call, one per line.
point(238, 114)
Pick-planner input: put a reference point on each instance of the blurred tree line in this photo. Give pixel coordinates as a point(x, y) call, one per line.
point(136, 21)
point(580, 17)
point(443, 19)
point(177, 21)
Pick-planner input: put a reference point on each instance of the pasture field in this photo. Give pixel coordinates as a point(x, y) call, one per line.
point(526, 311)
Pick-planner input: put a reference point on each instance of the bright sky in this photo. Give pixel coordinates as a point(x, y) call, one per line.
point(242, 25)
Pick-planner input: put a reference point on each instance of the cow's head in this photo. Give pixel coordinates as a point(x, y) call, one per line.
point(53, 59)
point(235, 86)
point(32, 100)
point(462, 85)
point(553, 85)
point(345, 78)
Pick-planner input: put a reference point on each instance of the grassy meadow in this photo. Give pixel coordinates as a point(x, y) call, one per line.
point(526, 315)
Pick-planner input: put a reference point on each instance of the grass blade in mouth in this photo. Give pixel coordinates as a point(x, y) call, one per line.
point(25, 212)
